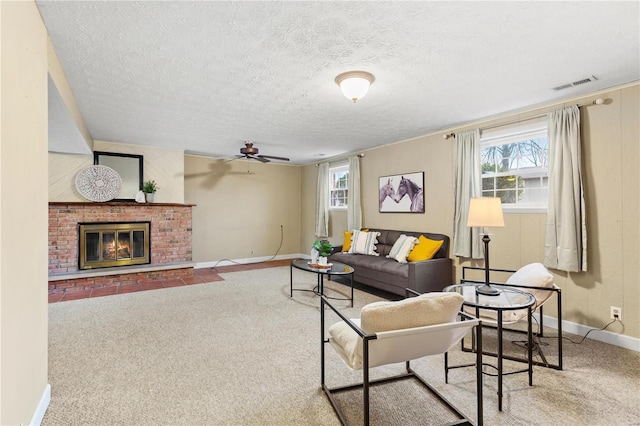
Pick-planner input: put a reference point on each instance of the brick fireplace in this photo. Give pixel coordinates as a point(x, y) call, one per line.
point(170, 239)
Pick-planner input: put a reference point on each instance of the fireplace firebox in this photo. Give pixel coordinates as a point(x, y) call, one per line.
point(111, 244)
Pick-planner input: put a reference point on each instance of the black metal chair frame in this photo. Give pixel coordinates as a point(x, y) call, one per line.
point(539, 333)
point(409, 374)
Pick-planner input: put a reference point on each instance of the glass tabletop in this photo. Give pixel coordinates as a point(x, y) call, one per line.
point(508, 299)
point(336, 268)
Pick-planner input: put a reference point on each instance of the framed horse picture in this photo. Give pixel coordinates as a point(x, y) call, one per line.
point(402, 193)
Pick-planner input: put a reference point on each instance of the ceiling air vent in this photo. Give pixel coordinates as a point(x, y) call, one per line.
point(576, 83)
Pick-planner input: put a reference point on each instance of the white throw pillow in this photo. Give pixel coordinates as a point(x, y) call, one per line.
point(402, 247)
point(364, 242)
point(533, 275)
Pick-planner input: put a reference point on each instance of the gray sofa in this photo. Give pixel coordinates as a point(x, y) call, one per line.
point(389, 275)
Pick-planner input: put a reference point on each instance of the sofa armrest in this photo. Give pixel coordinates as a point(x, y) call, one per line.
point(430, 275)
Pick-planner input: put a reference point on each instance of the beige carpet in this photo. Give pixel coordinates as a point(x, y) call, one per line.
point(242, 352)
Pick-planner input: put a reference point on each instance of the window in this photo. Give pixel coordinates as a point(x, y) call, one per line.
point(515, 164)
point(338, 186)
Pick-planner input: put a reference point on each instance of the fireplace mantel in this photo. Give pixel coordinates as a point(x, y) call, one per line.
point(117, 204)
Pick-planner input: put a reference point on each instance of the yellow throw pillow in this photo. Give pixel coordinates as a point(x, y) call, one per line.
point(425, 249)
point(346, 245)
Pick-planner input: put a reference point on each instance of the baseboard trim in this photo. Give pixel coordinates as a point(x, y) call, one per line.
point(229, 262)
point(45, 399)
point(604, 336)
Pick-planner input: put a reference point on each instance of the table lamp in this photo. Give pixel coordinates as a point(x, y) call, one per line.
point(486, 212)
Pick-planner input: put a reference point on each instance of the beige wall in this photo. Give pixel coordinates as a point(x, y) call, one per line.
point(240, 207)
point(610, 137)
point(165, 166)
point(66, 94)
point(23, 175)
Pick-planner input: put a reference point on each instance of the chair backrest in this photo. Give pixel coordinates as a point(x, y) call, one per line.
point(404, 330)
point(407, 344)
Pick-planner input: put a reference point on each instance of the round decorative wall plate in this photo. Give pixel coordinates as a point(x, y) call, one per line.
point(98, 183)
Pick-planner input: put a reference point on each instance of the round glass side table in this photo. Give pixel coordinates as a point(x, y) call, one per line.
point(336, 268)
point(490, 309)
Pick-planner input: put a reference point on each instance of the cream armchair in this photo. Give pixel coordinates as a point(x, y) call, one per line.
point(394, 332)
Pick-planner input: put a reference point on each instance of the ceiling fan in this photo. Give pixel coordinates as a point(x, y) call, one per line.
point(251, 153)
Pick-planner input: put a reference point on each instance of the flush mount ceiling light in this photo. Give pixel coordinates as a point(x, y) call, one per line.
point(354, 84)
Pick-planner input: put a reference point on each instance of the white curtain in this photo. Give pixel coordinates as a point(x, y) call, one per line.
point(565, 246)
point(354, 210)
point(322, 203)
point(466, 241)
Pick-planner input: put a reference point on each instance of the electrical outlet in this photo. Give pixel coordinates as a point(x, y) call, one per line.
point(616, 313)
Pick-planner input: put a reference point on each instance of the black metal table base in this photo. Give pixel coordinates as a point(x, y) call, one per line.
point(507, 300)
point(500, 357)
point(319, 288)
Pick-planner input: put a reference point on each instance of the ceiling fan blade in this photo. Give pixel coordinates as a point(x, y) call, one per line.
point(260, 158)
point(275, 158)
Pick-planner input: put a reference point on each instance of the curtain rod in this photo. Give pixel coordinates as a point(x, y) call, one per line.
point(598, 101)
point(333, 160)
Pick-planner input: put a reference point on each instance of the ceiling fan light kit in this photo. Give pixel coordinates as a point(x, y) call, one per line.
point(355, 84)
point(249, 149)
point(251, 153)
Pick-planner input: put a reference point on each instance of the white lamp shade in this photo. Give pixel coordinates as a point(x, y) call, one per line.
point(355, 84)
point(485, 212)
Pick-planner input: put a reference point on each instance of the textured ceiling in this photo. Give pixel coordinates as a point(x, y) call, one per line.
point(205, 76)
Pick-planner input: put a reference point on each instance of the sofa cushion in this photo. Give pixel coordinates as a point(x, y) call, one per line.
point(372, 265)
point(425, 249)
point(386, 240)
point(364, 243)
point(401, 248)
point(387, 237)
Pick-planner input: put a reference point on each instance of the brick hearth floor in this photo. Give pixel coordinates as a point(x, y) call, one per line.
point(200, 276)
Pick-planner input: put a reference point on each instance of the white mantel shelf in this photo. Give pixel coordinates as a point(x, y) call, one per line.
point(117, 203)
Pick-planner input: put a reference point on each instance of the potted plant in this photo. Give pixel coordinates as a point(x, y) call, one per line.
point(149, 188)
point(324, 249)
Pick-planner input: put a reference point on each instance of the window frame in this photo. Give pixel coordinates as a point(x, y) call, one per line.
point(333, 170)
point(516, 133)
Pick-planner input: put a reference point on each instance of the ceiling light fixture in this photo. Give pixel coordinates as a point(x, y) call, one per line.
point(355, 84)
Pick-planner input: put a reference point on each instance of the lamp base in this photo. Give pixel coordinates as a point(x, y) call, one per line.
point(487, 290)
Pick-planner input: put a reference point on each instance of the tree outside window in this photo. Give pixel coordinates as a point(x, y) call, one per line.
point(515, 168)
